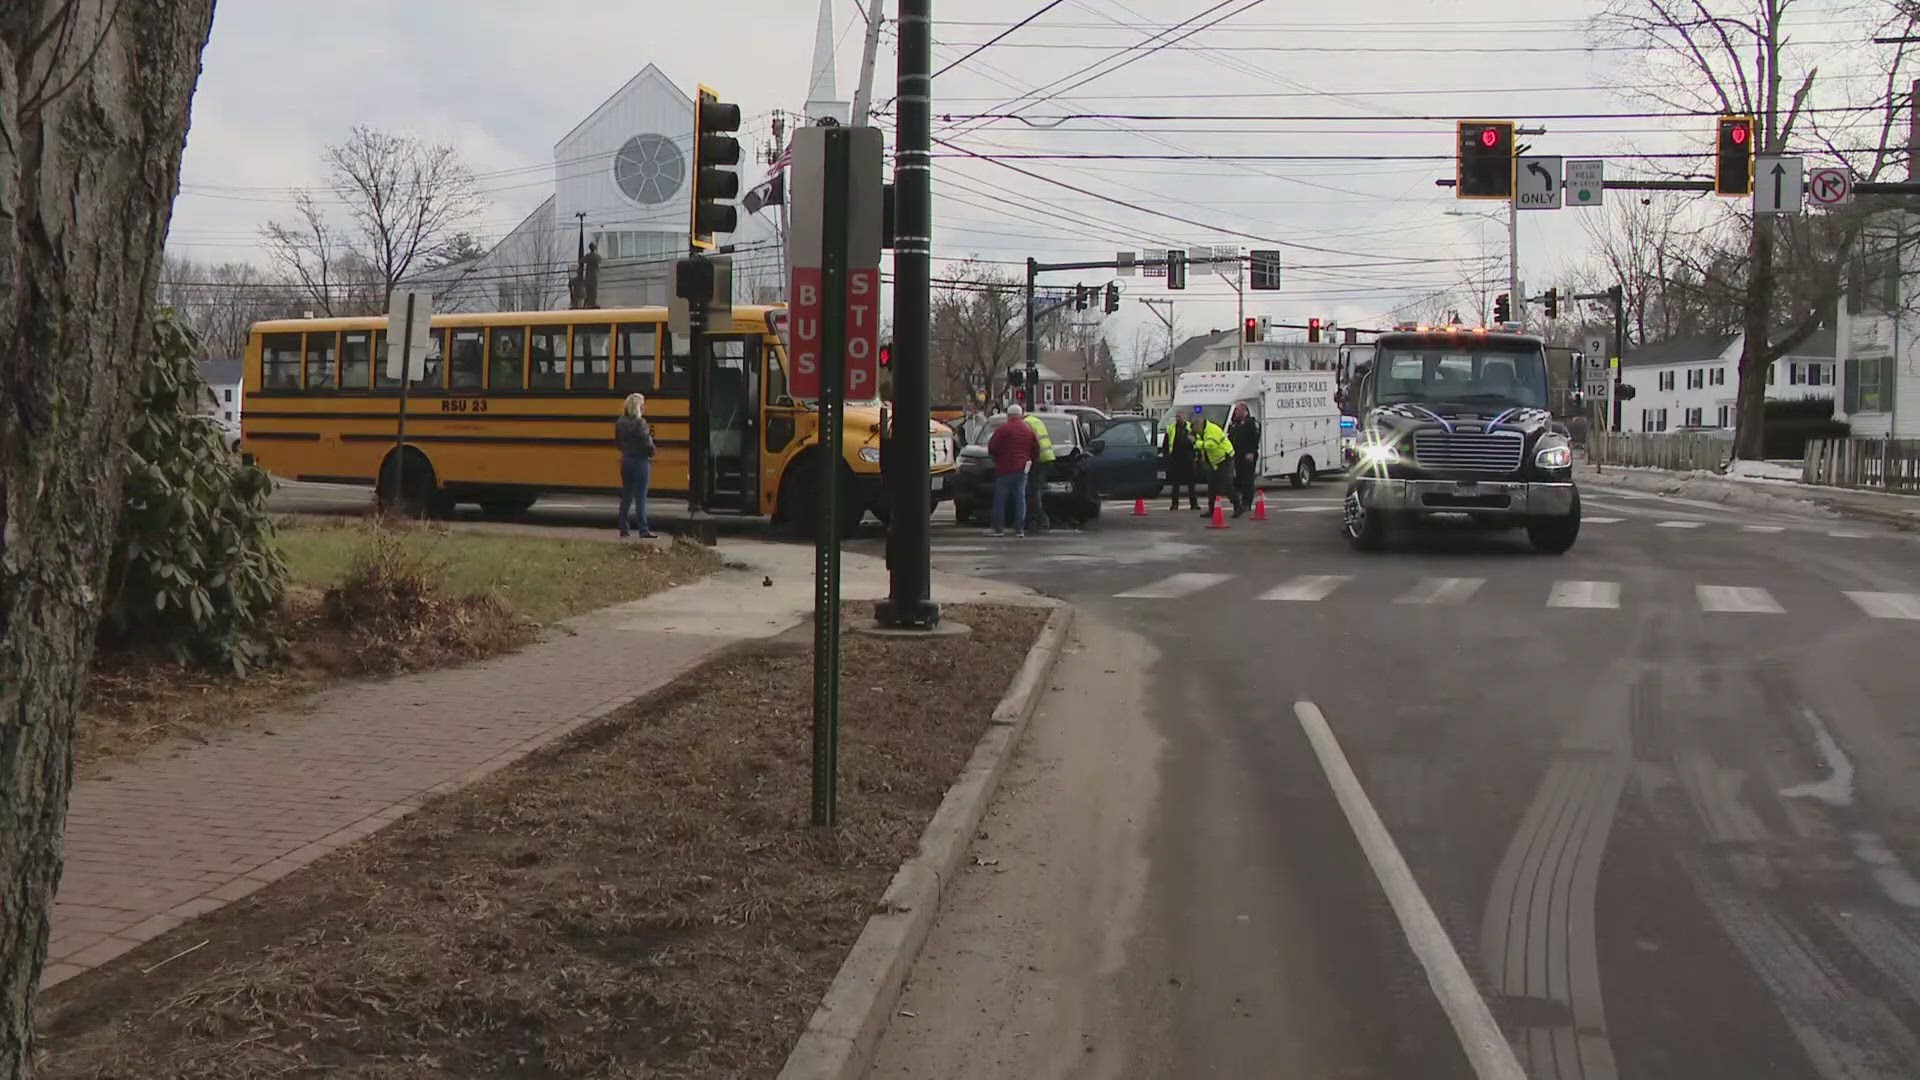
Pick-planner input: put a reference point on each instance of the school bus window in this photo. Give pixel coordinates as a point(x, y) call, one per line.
point(356, 359)
point(322, 361)
point(381, 381)
point(436, 367)
point(466, 360)
point(280, 362)
point(633, 369)
point(509, 358)
point(776, 393)
point(673, 365)
point(547, 358)
point(590, 345)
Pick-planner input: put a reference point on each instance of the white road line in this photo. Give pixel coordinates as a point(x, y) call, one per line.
point(1679, 524)
point(1737, 599)
point(1585, 594)
point(1174, 587)
point(1442, 590)
point(1887, 605)
point(1763, 528)
point(1600, 520)
point(1319, 508)
point(1487, 1050)
point(1843, 535)
point(1307, 587)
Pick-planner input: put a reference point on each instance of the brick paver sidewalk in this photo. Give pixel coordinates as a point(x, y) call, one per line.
point(180, 831)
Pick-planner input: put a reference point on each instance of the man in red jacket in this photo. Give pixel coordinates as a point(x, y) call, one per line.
point(1014, 449)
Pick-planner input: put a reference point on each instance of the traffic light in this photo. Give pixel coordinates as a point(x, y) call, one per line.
point(1313, 330)
point(1079, 298)
point(1176, 269)
point(1250, 332)
point(1623, 390)
point(1553, 303)
point(715, 153)
point(1733, 157)
point(1502, 308)
point(1266, 270)
point(1483, 167)
point(1113, 297)
point(886, 355)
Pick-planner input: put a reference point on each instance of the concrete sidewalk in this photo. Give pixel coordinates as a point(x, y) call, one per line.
point(1752, 493)
point(181, 830)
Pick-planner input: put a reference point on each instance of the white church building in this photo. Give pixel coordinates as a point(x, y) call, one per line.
point(621, 177)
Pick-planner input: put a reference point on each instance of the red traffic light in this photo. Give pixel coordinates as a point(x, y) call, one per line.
point(1489, 137)
point(886, 356)
point(1738, 133)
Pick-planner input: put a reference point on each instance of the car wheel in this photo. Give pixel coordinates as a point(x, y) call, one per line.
point(1303, 476)
point(1555, 536)
point(1366, 529)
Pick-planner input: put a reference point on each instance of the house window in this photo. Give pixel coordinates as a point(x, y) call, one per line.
point(1692, 418)
point(1770, 370)
point(1663, 420)
point(1720, 376)
point(226, 393)
point(1793, 374)
point(1047, 389)
point(1666, 380)
point(1724, 410)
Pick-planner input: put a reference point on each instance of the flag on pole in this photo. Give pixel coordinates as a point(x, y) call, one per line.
point(773, 190)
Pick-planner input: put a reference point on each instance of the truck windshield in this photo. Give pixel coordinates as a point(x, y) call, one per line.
point(1461, 377)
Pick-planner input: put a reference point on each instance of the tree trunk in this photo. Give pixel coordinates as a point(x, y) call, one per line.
point(94, 105)
point(1749, 437)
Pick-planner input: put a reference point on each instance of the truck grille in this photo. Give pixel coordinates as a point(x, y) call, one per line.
point(1468, 451)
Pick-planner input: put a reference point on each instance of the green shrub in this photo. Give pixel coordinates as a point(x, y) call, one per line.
point(196, 571)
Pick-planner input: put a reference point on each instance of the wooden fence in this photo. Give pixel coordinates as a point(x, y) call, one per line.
point(1682, 451)
point(1882, 464)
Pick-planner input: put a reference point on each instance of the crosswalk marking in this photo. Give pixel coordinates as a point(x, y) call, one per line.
point(1174, 587)
point(1887, 605)
point(1442, 590)
point(1307, 587)
point(1585, 594)
point(1600, 520)
point(1734, 598)
point(1763, 528)
point(1844, 535)
point(1679, 524)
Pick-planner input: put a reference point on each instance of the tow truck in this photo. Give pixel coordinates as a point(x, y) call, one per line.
point(1454, 421)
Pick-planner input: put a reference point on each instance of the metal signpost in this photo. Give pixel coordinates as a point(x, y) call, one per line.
point(834, 326)
point(409, 316)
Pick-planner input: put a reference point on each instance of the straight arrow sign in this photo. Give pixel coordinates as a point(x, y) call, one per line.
point(1781, 186)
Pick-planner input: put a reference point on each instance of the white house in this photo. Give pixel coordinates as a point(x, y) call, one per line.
point(1878, 331)
point(1694, 382)
point(223, 391)
point(1227, 355)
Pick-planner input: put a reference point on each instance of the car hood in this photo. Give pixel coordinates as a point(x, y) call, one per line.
point(1407, 417)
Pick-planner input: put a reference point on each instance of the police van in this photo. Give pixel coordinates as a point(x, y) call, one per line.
point(1299, 417)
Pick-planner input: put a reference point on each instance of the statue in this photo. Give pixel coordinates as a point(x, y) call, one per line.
point(573, 289)
point(590, 287)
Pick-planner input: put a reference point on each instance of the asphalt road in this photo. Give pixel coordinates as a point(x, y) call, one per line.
point(1649, 807)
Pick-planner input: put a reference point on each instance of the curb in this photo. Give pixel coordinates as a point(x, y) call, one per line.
point(845, 1028)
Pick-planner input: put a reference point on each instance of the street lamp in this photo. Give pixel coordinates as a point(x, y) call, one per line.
point(1513, 247)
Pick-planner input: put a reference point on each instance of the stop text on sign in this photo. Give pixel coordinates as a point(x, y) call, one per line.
point(862, 357)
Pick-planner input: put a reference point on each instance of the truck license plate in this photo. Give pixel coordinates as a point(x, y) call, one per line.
point(1466, 487)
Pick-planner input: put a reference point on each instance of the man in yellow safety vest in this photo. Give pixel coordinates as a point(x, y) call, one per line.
point(1216, 456)
point(1037, 479)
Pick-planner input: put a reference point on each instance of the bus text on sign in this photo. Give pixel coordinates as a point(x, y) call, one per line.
point(863, 334)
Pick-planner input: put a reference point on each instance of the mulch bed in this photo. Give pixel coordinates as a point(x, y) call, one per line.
point(644, 899)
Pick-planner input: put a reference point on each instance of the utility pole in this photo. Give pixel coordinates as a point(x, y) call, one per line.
point(779, 149)
point(909, 604)
point(863, 93)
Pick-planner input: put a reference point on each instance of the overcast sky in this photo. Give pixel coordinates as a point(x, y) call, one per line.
point(505, 79)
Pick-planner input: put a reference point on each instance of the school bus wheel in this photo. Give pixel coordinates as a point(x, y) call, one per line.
point(421, 490)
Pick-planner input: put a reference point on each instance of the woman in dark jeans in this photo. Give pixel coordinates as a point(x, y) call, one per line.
point(635, 440)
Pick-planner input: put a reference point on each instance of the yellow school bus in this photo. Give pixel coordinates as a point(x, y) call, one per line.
point(516, 405)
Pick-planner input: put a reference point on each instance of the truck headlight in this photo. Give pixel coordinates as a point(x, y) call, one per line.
point(870, 455)
point(1558, 456)
point(1379, 454)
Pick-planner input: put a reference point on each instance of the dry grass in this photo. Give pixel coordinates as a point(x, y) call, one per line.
point(642, 900)
point(378, 599)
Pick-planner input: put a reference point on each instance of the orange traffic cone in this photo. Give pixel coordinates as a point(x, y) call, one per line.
point(1219, 520)
point(1139, 508)
point(1260, 507)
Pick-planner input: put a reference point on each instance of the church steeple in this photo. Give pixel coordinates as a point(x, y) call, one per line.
point(823, 94)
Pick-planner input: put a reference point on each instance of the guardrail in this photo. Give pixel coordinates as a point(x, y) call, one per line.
point(1877, 464)
point(1682, 451)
